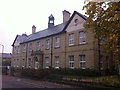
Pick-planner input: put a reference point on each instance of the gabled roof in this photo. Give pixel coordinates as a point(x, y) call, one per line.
point(20, 38)
point(75, 12)
point(51, 31)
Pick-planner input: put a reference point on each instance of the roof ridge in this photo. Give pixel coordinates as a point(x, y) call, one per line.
point(45, 29)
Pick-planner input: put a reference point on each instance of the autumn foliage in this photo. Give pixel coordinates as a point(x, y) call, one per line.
point(104, 20)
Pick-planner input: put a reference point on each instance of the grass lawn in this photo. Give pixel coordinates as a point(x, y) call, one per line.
point(113, 80)
point(109, 80)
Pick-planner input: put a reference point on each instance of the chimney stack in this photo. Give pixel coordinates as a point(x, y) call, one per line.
point(66, 15)
point(33, 29)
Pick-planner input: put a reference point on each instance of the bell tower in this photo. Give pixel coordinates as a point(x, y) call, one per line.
point(50, 21)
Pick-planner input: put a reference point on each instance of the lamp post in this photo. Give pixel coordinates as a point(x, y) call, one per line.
point(2, 55)
point(1, 66)
point(2, 50)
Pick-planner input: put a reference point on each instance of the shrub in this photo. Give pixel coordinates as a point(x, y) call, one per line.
point(76, 72)
point(35, 73)
point(4, 70)
point(109, 80)
point(15, 71)
point(54, 77)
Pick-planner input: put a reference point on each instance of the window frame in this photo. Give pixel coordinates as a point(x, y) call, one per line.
point(30, 47)
point(46, 62)
point(37, 45)
point(57, 42)
point(82, 63)
point(71, 62)
point(71, 39)
point(82, 38)
point(57, 61)
point(24, 48)
point(47, 45)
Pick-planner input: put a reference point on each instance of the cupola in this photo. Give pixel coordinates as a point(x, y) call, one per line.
point(50, 21)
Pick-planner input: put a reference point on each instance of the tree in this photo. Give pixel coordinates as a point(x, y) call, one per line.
point(104, 20)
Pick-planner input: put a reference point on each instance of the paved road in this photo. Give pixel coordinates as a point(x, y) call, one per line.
point(16, 82)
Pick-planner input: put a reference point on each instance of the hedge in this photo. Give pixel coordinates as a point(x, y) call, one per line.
point(76, 72)
point(42, 73)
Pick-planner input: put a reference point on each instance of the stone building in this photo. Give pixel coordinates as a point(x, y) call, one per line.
point(6, 59)
point(66, 45)
point(6, 62)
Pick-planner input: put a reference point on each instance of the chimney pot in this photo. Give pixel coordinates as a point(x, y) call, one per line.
point(66, 15)
point(33, 29)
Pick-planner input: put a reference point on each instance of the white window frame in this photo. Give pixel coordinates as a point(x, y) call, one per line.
point(71, 62)
point(82, 62)
point(57, 62)
point(48, 44)
point(82, 38)
point(23, 48)
point(46, 62)
point(57, 42)
point(37, 45)
point(30, 46)
point(71, 39)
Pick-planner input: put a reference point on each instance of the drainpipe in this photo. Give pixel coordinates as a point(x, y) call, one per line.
point(26, 56)
point(51, 50)
point(65, 51)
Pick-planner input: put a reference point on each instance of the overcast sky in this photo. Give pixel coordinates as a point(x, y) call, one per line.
point(18, 16)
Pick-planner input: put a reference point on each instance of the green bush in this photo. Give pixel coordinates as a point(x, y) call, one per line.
point(54, 77)
point(56, 73)
point(15, 71)
point(35, 73)
point(76, 72)
point(4, 70)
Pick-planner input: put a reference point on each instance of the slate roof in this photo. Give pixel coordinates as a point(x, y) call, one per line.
point(47, 32)
point(20, 38)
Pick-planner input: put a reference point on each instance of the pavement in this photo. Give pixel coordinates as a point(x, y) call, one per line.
point(17, 82)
